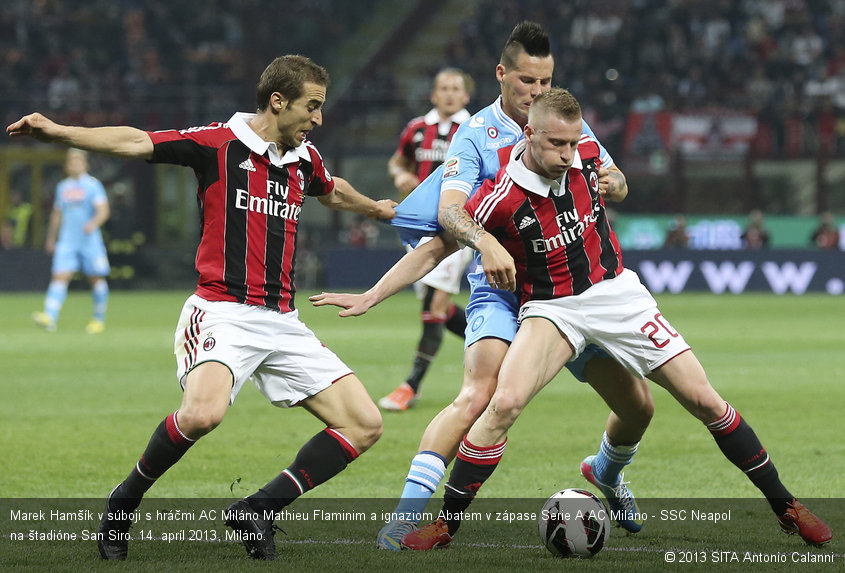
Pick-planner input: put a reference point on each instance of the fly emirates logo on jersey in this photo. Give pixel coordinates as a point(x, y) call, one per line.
point(572, 228)
point(275, 204)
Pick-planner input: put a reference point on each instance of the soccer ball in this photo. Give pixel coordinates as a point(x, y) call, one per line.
point(574, 523)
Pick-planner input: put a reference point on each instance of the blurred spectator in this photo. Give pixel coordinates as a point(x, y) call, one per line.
point(16, 224)
point(363, 233)
point(677, 236)
point(826, 235)
point(755, 235)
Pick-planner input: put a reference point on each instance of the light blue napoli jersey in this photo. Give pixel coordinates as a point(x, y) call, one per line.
point(77, 200)
point(473, 156)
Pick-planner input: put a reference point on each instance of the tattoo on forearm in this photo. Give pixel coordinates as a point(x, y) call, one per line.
point(615, 185)
point(458, 222)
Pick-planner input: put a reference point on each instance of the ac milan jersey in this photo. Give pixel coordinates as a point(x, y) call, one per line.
point(473, 157)
point(425, 139)
point(557, 231)
point(250, 197)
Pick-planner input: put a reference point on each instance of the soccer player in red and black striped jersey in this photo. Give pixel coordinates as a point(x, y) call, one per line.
point(422, 148)
point(424, 141)
point(254, 172)
point(545, 208)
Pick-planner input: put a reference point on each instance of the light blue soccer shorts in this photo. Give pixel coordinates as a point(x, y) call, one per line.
point(92, 259)
point(491, 313)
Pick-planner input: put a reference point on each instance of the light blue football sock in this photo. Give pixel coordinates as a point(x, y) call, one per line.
point(100, 296)
point(426, 473)
point(55, 299)
point(611, 459)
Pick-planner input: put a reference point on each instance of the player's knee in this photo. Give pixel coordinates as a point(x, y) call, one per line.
point(706, 404)
point(368, 429)
point(644, 410)
point(373, 430)
point(472, 401)
point(505, 408)
point(199, 421)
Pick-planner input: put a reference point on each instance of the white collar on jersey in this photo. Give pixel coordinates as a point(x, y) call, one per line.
point(505, 121)
point(531, 181)
point(443, 126)
point(239, 124)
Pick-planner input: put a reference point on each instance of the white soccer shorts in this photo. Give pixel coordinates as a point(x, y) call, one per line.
point(282, 357)
point(618, 314)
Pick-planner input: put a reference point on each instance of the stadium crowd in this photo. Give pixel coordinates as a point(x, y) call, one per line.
point(779, 59)
point(156, 62)
point(782, 60)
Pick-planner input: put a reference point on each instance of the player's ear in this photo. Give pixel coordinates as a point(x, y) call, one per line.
point(278, 102)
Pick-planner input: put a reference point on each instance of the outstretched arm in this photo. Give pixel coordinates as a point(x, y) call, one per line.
point(344, 197)
point(122, 141)
point(497, 262)
point(410, 268)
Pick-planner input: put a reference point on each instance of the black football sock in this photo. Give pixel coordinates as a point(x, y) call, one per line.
point(427, 348)
point(456, 320)
point(474, 464)
point(741, 446)
point(322, 457)
point(166, 446)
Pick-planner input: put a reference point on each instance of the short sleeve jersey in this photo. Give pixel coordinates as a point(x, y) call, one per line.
point(77, 199)
point(473, 157)
point(250, 197)
point(556, 230)
point(425, 140)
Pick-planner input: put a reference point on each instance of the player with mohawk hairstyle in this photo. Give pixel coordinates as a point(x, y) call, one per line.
point(437, 207)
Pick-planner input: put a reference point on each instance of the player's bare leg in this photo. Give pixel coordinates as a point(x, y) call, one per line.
point(346, 407)
point(353, 424)
point(205, 400)
point(685, 379)
point(204, 403)
point(628, 397)
point(538, 353)
point(481, 371)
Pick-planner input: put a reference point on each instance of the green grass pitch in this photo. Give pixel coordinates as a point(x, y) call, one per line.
point(77, 410)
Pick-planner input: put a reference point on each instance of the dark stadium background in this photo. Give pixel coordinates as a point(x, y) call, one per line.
point(711, 108)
